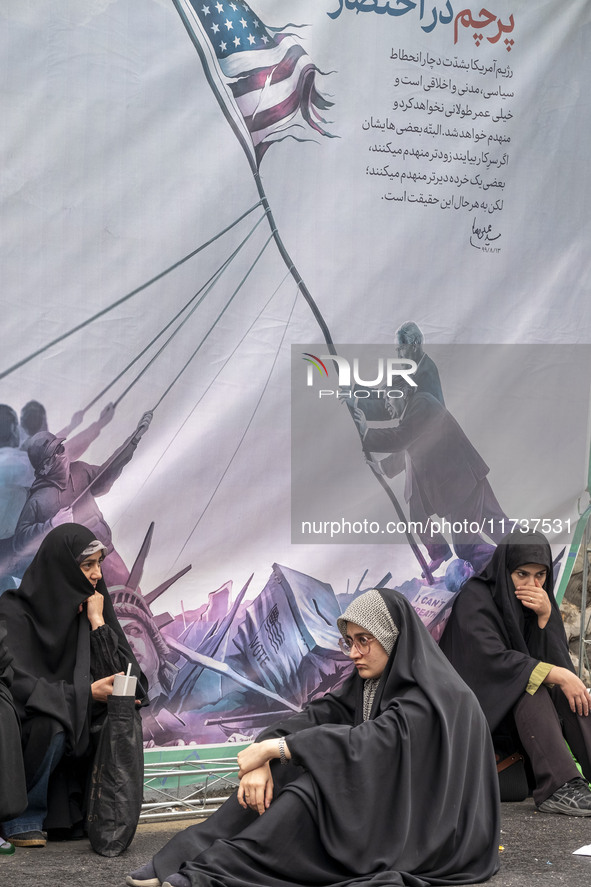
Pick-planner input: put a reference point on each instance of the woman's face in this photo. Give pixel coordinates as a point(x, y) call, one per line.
point(527, 574)
point(91, 567)
point(372, 663)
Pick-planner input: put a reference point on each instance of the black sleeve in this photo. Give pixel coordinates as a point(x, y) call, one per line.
point(105, 656)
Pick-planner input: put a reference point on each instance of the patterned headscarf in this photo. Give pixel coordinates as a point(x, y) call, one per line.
point(369, 611)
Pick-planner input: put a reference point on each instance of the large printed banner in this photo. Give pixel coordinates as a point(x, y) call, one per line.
point(210, 211)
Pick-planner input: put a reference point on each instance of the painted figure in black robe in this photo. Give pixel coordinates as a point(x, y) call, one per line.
point(445, 475)
point(66, 645)
point(388, 781)
point(409, 337)
point(506, 638)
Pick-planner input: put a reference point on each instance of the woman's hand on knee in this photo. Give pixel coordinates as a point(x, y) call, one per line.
point(572, 687)
point(256, 789)
point(258, 753)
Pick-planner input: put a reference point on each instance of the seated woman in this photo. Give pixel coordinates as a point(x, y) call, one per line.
point(389, 780)
point(506, 639)
point(67, 646)
point(13, 793)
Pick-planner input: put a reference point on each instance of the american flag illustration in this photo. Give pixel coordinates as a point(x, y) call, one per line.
point(273, 628)
point(264, 79)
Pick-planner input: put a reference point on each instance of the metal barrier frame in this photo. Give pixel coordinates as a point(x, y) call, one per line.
point(190, 787)
point(584, 641)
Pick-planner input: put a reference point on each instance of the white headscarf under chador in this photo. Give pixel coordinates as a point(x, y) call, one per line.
point(91, 549)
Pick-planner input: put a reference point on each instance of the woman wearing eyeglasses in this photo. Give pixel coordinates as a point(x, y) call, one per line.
point(388, 781)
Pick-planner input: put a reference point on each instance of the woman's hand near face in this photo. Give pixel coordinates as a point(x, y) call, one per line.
point(572, 687)
point(94, 610)
point(534, 597)
point(256, 789)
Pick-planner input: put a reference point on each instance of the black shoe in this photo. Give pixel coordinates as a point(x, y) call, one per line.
point(573, 799)
point(76, 833)
point(28, 839)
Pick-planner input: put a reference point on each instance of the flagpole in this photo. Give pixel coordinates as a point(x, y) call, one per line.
point(328, 339)
point(248, 150)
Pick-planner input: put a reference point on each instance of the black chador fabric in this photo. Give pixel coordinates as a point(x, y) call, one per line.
point(408, 797)
point(54, 660)
point(13, 794)
point(492, 640)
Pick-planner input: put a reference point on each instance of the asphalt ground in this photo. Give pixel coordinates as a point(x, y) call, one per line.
point(537, 850)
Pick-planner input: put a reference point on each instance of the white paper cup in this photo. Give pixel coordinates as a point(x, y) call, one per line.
point(124, 685)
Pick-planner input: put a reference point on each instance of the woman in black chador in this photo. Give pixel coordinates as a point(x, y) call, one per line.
point(67, 646)
point(388, 781)
point(506, 639)
point(13, 794)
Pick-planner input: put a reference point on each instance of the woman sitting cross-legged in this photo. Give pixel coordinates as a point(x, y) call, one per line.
point(390, 780)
